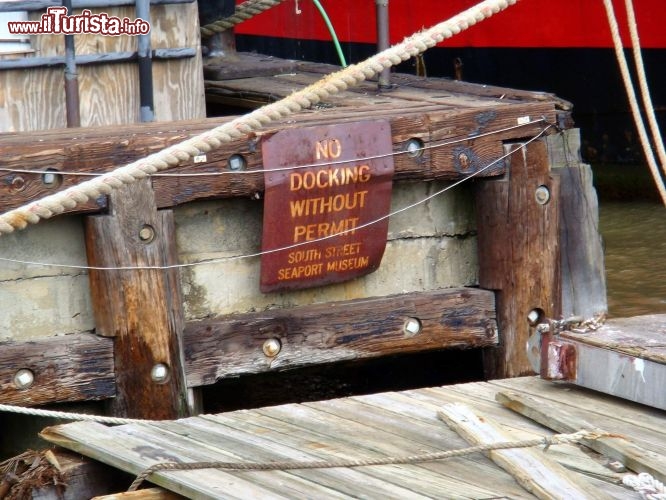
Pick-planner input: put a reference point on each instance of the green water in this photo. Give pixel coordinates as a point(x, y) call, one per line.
point(634, 235)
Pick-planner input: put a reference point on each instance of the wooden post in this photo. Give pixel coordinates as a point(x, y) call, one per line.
point(518, 240)
point(141, 309)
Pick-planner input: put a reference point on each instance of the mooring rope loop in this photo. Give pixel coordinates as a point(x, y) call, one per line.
point(47, 207)
point(545, 441)
point(649, 487)
point(292, 246)
point(244, 11)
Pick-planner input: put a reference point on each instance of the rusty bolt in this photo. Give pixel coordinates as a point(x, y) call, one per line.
point(147, 233)
point(18, 184)
point(464, 160)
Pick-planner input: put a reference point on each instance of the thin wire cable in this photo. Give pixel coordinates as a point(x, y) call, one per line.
point(633, 101)
point(288, 247)
point(434, 145)
point(643, 85)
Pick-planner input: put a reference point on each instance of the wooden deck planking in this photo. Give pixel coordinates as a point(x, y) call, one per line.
point(376, 425)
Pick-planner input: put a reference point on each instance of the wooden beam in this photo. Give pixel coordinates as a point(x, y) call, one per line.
point(555, 417)
point(363, 328)
point(531, 467)
point(519, 253)
point(141, 309)
point(101, 149)
point(64, 369)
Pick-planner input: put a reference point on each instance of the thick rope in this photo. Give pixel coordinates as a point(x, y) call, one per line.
point(633, 102)
point(643, 85)
point(36, 412)
point(328, 464)
point(648, 487)
point(243, 12)
point(172, 156)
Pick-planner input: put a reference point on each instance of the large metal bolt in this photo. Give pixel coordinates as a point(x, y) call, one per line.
point(24, 378)
point(160, 373)
point(464, 160)
point(542, 195)
point(412, 327)
point(272, 347)
point(414, 148)
point(147, 233)
point(51, 178)
point(236, 162)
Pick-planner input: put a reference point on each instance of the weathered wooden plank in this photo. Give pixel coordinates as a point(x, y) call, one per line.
point(144, 494)
point(95, 150)
point(356, 440)
point(559, 419)
point(426, 436)
point(75, 367)
point(642, 337)
point(248, 438)
point(519, 253)
point(187, 442)
point(362, 328)
point(142, 309)
point(111, 445)
point(582, 257)
point(616, 415)
point(537, 473)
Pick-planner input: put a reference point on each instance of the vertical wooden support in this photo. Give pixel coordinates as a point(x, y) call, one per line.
point(583, 272)
point(518, 240)
point(141, 309)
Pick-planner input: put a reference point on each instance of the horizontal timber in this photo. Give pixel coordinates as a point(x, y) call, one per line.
point(337, 331)
point(66, 368)
point(86, 59)
point(102, 149)
point(80, 367)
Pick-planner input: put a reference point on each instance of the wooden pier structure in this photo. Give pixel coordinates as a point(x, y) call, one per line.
point(427, 215)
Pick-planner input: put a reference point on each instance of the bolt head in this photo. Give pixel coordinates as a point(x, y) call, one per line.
point(272, 347)
point(414, 148)
point(236, 162)
point(24, 378)
point(147, 234)
point(411, 327)
point(542, 195)
point(160, 373)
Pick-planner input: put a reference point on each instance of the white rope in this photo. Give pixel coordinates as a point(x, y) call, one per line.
point(36, 412)
point(244, 11)
point(295, 245)
point(643, 85)
point(633, 102)
point(47, 207)
point(648, 487)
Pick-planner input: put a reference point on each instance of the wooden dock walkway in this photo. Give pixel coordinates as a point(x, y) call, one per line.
point(381, 425)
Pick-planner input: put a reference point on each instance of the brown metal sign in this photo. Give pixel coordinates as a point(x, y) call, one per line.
point(325, 188)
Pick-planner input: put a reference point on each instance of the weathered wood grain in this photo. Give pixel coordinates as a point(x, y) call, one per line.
point(582, 255)
point(519, 254)
point(363, 328)
point(69, 368)
point(144, 494)
point(537, 473)
point(560, 419)
point(639, 336)
point(141, 309)
point(95, 150)
point(109, 93)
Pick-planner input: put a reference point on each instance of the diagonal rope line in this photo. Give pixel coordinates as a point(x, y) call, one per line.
point(633, 101)
point(47, 207)
point(329, 464)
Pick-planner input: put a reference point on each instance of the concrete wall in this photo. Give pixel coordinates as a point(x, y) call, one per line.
point(430, 246)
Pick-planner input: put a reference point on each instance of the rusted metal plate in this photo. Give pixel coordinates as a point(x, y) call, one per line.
point(317, 219)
